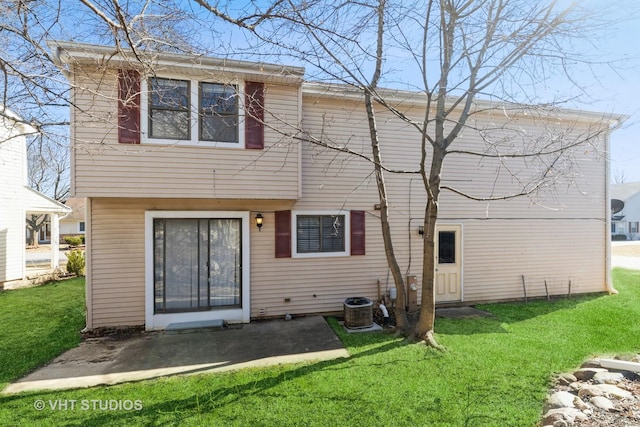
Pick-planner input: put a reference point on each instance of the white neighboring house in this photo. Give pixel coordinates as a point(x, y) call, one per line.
point(17, 199)
point(626, 221)
point(74, 223)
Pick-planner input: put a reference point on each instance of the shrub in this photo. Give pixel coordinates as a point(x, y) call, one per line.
point(618, 237)
point(76, 262)
point(73, 241)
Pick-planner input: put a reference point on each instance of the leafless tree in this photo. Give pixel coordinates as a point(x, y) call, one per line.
point(504, 50)
point(619, 176)
point(48, 173)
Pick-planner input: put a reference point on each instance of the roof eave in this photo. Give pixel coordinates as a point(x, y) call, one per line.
point(66, 53)
point(419, 99)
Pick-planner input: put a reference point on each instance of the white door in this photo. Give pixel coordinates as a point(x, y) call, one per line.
point(448, 263)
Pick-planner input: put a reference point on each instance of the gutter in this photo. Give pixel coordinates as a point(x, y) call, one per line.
point(607, 232)
point(68, 53)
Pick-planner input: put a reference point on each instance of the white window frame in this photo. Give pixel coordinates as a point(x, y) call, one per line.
point(156, 321)
point(294, 234)
point(80, 228)
point(194, 99)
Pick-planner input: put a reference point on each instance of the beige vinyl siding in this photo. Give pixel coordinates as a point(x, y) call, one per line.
point(559, 234)
point(12, 213)
point(117, 264)
point(117, 276)
point(312, 285)
point(117, 257)
point(104, 168)
point(498, 253)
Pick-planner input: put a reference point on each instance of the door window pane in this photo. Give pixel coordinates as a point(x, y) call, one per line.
point(446, 247)
point(225, 266)
point(181, 265)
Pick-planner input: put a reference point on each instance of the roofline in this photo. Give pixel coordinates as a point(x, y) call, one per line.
point(419, 99)
point(61, 208)
point(633, 185)
point(19, 121)
point(65, 52)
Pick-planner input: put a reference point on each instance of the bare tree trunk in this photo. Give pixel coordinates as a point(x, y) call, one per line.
point(35, 224)
point(402, 322)
point(424, 328)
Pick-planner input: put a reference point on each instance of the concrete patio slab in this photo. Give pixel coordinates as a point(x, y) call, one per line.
point(109, 360)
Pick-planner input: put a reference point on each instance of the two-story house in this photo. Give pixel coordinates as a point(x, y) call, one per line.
point(18, 200)
point(208, 199)
point(625, 219)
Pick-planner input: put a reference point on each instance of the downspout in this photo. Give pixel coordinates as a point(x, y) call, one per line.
point(299, 144)
point(88, 262)
point(607, 192)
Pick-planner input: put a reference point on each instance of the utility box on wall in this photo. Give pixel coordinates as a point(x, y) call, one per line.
point(412, 293)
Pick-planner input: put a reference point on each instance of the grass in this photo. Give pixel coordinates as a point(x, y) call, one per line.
point(495, 373)
point(37, 324)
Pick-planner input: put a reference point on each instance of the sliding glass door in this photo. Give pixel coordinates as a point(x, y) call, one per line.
point(197, 264)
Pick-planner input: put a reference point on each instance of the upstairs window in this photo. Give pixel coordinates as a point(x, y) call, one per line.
point(218, 112)
point(169, 109)
point(190, 112)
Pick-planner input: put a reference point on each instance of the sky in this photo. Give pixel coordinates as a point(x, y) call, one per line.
point(620, 94)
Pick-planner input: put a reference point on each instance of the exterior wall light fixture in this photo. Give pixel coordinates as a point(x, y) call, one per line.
point(259, 219)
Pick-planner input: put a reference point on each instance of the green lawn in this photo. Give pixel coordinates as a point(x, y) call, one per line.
point(495, 373)
point(37, 324)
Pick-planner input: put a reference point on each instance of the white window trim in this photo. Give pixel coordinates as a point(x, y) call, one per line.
point(232, 315)
point(193, 112)
point(294, 234)
point(80, 228)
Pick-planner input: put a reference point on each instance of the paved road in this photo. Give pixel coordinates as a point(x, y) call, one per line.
point(630, 262)
point(42, 257)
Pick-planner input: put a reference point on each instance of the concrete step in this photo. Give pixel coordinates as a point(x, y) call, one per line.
point(199, 326)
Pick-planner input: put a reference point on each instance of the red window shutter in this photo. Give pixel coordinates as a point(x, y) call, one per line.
point(254, 115)
point(357, 233)
point(128, 107)
point(283, 234)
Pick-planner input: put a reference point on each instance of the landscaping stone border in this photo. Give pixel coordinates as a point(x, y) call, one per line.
point(603, 392)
